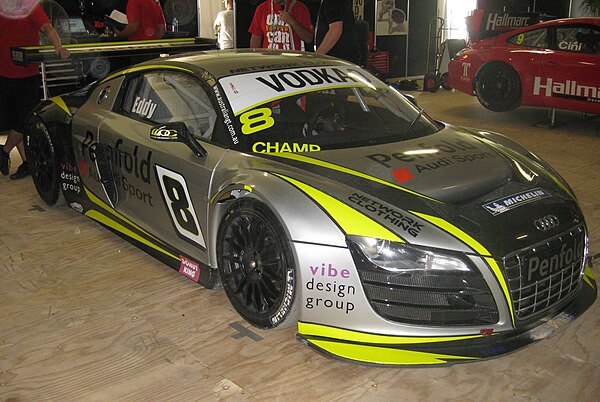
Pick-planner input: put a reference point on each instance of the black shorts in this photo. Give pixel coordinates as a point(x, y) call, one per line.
point(18, 96)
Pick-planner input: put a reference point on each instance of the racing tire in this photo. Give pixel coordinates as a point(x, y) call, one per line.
point(444, 82)
point(42, 155)
point(498, 87)
point(256, 265)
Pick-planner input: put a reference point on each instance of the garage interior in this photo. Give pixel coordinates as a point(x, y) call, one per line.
point(87, 316)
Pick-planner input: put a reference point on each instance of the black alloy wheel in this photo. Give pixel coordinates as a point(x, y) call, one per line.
point(256, 265)
point(42, 156)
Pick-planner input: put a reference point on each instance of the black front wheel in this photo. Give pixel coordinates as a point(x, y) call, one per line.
point(257, 266)
point(498, 87)
point(42, 156)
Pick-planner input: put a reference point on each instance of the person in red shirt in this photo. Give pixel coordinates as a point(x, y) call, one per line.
point(281, 24)
point(145, 20)
point(21, 22)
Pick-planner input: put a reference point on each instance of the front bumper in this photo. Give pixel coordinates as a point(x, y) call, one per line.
point(385, 350)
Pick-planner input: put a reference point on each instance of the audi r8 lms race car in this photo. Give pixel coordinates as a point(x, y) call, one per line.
point(319, 197)
point(552, 64)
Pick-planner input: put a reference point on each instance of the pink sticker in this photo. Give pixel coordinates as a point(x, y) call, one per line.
point(189, 268)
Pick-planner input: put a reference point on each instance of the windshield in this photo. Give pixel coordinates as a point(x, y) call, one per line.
point(332, 107)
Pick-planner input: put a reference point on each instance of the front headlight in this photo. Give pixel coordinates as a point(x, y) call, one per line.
point(461, 54)
point(418, 285)
point(398, 257)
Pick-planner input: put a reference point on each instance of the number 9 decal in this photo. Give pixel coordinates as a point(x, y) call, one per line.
point(256, 120)
point(520, 39)
point(178, 202)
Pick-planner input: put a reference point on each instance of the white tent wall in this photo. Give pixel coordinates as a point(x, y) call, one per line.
point(207, 11)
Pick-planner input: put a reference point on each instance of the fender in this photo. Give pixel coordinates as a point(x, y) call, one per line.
point(57, 120)
point(56, 111)
point(290, 207)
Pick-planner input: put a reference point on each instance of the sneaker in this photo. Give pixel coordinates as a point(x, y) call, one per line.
point(21, 172)
point(4, 162)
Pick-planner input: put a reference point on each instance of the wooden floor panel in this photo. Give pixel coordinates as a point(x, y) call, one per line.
point(87, 316)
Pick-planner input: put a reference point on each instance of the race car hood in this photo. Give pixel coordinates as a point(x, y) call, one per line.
point(451, 166)
point(458, 176)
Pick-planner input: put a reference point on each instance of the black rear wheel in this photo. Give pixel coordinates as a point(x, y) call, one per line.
point(42, 156)
point(256, 265)
point(498, 87)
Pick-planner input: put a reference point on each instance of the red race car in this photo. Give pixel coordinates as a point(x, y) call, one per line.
point(553, 64)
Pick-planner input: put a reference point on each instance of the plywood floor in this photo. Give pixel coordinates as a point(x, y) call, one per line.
point(85, 316)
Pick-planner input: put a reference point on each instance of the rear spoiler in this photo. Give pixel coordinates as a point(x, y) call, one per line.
point(483, 24)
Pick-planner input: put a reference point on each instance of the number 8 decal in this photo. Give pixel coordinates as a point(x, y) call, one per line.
point(256, 120)
point(178, 202)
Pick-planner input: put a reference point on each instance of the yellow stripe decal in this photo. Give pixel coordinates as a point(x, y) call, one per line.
point(61, 103)
point(588, 276)
point(143, 68)
point(328, 165)
point(478, 248)
point(104, 206)
point(97, 216)
point(350, 220)
point(363, 337)
point(379, 355)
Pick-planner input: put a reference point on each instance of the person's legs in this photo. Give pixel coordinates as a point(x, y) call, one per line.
point(5, 120)
point(21, 149)
point(15, 139)
point(4, 161)
point(29, 88)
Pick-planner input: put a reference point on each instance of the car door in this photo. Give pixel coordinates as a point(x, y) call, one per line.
point(571, 70)
point(526, 55)
point(85, 126)
point(163, 186)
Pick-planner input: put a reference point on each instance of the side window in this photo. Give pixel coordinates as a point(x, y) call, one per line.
point(579, 39)
point(165, 97)
point(536, 38)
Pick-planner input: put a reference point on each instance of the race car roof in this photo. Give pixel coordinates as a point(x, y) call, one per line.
point(221, 63)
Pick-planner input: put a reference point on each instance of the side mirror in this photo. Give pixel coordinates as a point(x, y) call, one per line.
point(177, 132)
point(411, 99)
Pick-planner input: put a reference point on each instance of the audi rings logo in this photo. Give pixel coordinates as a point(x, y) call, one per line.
point(546, 223)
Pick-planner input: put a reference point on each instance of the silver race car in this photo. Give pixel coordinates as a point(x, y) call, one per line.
point(318, 196)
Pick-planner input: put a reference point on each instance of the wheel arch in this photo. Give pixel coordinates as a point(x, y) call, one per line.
point(489, 63)
point(56, 117)
point(289, 205)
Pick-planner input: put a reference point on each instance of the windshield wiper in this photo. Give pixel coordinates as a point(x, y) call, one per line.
point(413, 123)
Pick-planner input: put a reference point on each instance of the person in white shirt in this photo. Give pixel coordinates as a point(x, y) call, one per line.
point(224, 26)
